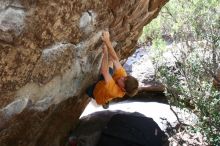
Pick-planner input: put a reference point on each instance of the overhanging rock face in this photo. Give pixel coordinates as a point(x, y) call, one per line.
point(50, 52)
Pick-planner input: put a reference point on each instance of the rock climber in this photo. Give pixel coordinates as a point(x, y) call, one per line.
point(112, 83)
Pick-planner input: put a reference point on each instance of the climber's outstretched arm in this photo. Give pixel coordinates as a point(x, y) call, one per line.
point(111, 51)
point(104, 66)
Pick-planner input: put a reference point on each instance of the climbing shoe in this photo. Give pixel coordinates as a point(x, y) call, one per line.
point(106, 105)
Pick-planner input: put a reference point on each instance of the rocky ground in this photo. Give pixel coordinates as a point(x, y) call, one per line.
point(160, 112)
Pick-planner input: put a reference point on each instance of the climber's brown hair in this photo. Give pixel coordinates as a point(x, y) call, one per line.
point(131, 85)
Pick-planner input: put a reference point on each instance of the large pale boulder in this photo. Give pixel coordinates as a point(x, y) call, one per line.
point(50, 52)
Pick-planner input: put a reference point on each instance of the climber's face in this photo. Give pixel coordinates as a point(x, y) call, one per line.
point(121, 82)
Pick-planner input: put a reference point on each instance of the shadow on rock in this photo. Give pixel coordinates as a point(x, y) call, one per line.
point(117, 128)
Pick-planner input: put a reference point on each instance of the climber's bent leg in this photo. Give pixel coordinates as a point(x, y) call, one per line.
point(90, 89)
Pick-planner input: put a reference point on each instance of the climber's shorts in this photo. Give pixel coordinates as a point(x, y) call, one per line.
point(90, 89)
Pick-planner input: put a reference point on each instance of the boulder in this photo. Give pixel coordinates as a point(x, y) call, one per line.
point(94, 119)
point(49, 54)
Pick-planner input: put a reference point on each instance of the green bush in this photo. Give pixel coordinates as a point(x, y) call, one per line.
point(190, 86)
point(195, 25)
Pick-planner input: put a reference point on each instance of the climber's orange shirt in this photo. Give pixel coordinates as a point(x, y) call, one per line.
point(105, 92)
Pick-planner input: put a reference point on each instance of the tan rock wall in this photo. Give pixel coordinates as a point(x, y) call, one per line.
point(50, 52)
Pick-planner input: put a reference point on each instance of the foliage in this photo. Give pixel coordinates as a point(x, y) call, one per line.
point(195, 25)
point(188, 85)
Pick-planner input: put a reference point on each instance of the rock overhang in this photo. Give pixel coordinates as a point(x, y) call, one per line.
point(50, 52)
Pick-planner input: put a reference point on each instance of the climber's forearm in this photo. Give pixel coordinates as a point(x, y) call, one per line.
point(111, 50)
point(104, 65)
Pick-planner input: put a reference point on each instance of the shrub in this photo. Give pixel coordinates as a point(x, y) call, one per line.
point(195, 25)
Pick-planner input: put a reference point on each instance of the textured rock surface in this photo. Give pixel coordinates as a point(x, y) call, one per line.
point(50, 52)
point(216, 81)
point(89, 129)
